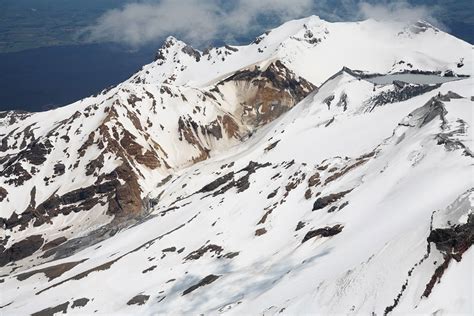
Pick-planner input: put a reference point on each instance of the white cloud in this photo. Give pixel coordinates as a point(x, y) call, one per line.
point(199, 22)
point(196, 21)
point(398, 11)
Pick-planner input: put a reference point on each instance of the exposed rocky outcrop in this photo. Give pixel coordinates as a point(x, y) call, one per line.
point(196, 254)
point(217, 183)
point(323, 232)
point(402, 91)
point(123, 199)
point(207, 280)
point(51, 272)
point(191, 52)
point(50, 311)
point(188, 130)
point(139, 299)
point(452, 242)
point(324, 201)
point(260, 232)
point(54, 243)
point(269, 92)
point(300, 225)
point(455, 240)
point(3, 193)
point(80, 302)
point(21, 249)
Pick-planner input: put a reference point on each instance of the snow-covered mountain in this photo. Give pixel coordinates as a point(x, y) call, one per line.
point(277, 177)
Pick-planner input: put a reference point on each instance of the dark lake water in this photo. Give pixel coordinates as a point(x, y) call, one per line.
point(411, 78)
point(45, 78)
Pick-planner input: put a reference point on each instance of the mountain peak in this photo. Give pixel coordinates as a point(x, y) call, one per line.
point(169, 46)
point(422, 26)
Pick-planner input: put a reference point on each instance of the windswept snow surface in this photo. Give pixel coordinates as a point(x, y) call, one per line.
point(316, 49)
point(356, 200)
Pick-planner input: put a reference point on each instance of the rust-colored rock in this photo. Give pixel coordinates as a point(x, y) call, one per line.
point(148, 159)
point(260, 232)
point(230, 126)
point(127, 199)
point(268, 93)
point(314, 180)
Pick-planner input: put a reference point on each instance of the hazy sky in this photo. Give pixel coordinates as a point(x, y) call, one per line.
point(202, 21)
point(38, 23)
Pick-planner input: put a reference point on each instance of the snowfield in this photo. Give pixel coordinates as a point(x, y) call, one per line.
point(271, 178)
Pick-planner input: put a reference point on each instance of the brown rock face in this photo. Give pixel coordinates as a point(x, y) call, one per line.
point(123, 200)
point(80, 302)
point(272, 91)
point(260, 232)
point(329, 199)
point(454, 241)
point(314, 180)
point(269, 93)
point(59, 169)
point(129, 144)
point(323, 232)
point(148, 159)
point(53, 310)
point(139, 299)
point(3, 193)
point(189, 130)
point(54, 243)
point(21, 249)
point(51, 272)
point(230, 126)
point(127, 199)
point(196, 254)
point(36, 152)
point(16, 174)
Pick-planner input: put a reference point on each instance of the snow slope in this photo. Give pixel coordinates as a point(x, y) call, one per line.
point(316, 49)
point(218, 182)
